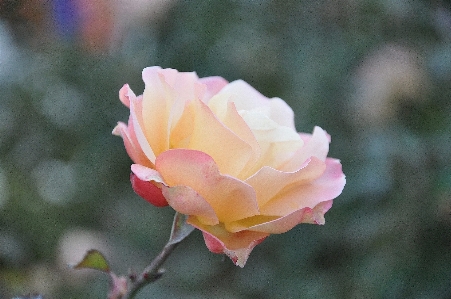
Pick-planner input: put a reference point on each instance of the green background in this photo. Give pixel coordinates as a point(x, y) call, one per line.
point(375, 74)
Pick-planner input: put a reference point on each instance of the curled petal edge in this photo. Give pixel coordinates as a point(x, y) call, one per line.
point(283, 224)
point(187, 201)
point(144, 182)
point(183, 199)
point(238, 256)
point(148, 191)
point(131, 143)
point(237, 246)
point(123, 95)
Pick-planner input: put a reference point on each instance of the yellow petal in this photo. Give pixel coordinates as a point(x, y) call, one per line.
point(210, 136)
point(307, 194)
point(269, 182)
point(131, 143)
point(268, 224)
point(229, 116)
point(230, 198)
point(156, 104)
point(182, 131)
point(136, 118)
point(186, 201)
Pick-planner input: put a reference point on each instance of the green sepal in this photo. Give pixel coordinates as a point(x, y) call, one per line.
point(180, 229)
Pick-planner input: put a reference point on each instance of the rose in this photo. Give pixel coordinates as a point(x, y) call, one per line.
point(228, 157)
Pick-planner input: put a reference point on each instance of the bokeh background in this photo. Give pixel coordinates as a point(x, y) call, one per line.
point(376, 74)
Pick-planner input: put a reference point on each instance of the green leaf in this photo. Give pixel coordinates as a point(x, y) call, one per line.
point(93, 259)
point(180, 229)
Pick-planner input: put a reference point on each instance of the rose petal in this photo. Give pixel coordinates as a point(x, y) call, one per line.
point(268, 182)
point(281, 113)
point(214, 85)
point(136, 119)
point(247, 98)
point(244, 95)
point(156, 106)
point(267, 224)
point(186, 201)
point(237, 246)
point(148, 191)
point(181, 167)
point(278, 143)
point(131, 143)
point(308, 195)
point(229, 116)
point(123, 95)
point(166, 93)
point(181, 133)
point(185, 87)
point(146, 174)
point(316, 215)
point(317, 146)
point(279, 225)
point(210, 136)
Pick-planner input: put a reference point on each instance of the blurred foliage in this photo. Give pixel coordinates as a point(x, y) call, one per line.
point(374, 74)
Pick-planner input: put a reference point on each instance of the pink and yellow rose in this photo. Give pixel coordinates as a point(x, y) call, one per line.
point(228, 157)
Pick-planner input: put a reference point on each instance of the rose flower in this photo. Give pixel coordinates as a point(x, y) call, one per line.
point(226, 156)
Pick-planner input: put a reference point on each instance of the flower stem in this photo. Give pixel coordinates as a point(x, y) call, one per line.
point(151, 273)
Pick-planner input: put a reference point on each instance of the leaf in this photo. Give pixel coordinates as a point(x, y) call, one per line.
point(93, 259)
point(180, 229)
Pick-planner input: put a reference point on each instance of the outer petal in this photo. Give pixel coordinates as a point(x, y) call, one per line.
point(148, 191)
point(237, 246)
point(186, 201)
point(156, 105)
point(163, 101)
point(131, 143)
point(315, 146)
point(268, 182)
point(123, 95)
point(214, 85)
point(267, 224)
point(279, 225)
point(316, 215)
point(308, 195)
point(230, 198)
point(136, 119)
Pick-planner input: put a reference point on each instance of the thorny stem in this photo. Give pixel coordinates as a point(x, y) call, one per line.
point(151, 273)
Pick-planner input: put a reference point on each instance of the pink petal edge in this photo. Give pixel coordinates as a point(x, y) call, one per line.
point(238, 256)
point(148, 191)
